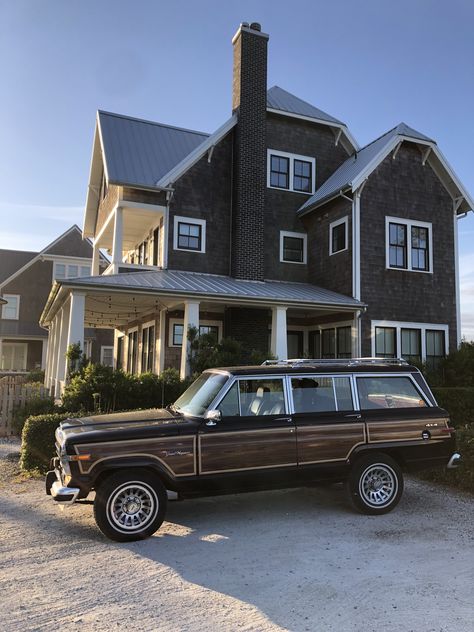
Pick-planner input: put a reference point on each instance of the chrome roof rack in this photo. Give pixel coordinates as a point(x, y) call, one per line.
point(336, 361)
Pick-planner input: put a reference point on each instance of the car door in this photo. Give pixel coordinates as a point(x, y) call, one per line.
point(327, 425)
point(255, 431)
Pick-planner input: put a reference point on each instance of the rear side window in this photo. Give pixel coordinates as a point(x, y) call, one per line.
point(321, 394)
point(388, 392)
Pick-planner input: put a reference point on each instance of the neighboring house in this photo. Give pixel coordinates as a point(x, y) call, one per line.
point(277, 230)
point(25, 283)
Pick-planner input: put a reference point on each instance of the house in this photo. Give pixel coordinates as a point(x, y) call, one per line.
point(25, 283)
point(276, 229)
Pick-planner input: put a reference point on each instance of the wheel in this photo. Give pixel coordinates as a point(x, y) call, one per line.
point(130, 505)
point(375, 484)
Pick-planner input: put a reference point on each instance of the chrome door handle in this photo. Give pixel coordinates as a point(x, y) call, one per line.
point(288, 419)
point(211, 423)
point(355, 416)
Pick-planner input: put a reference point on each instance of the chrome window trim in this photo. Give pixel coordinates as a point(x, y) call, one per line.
point(238, 378)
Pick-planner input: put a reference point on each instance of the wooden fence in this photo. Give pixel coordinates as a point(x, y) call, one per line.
point(14, 393)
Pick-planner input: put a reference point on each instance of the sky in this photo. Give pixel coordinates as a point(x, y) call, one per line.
point(370, 63)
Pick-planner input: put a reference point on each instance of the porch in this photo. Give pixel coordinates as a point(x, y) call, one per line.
point(151, 312)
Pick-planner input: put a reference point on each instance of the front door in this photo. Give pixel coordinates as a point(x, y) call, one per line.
point(255, 431)
point(328, 427)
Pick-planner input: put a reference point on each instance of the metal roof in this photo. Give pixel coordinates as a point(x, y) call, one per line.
point(356, 164)
point(279, 99)
point(141, 152)
point(207, 285)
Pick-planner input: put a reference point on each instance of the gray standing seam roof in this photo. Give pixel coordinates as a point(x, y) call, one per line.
point(343, 177)
point(179, 282)
point(279, 99)
point(141, 152)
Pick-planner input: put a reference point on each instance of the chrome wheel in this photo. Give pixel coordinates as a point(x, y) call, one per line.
point(132, 506)
point(378, 485)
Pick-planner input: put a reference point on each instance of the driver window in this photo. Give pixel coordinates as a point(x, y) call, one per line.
point(229, 406)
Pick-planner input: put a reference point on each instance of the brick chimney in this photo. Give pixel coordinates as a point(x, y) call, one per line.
point(249, 102)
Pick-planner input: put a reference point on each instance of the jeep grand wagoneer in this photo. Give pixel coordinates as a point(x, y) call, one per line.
point(283, 424)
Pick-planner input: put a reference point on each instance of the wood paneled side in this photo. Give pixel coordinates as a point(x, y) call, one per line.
point(407, 430)
point(331, 442)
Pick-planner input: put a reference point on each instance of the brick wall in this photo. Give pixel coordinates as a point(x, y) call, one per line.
point(250, 327)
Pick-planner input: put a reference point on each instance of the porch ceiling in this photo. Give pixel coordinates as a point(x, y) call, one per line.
point(137, 223)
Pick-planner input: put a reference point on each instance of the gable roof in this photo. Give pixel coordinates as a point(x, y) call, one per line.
point(279, 99)
point(13, 260)
point(357, 168)
point(36, 256)
point(141, 152)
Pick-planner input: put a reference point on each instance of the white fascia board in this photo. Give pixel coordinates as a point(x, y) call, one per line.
point(354, 144)
point(92, 198)
point(192, 158)
point(450, 172)
point(374, 163)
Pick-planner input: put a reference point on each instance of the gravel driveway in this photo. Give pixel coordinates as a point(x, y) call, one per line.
point(284, 560)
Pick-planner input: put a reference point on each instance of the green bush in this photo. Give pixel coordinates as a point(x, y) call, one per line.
point(104, 389)
point(37, 441)
point(459, 402)
point(34, 406)
point(37, 375)
point(463, 476)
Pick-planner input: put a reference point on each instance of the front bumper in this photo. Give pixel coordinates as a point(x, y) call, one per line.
point(454, 461)
point(60, 493)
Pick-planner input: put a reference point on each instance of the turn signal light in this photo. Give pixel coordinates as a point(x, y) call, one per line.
point(80, 457)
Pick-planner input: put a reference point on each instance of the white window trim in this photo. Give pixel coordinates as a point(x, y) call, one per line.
point(409, 223)
point(79, 263)
point(335, 224)
point(189, 220)
point(17, 315)
point(292, 158)
point(180, 321)
point(399, 325)
point(303, 236)
point(17, 344)
point(109, 347)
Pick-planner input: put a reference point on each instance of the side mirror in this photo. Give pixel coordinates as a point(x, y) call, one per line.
point(212, 417)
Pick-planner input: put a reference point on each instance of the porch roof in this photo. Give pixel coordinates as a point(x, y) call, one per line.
point(180, 284)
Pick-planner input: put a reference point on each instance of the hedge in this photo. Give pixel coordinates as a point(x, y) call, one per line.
point(463, 476)
point(37, 441)
point(459, 402)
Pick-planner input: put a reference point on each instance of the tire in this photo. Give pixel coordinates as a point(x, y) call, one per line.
point(375, 484)
point(130, 505)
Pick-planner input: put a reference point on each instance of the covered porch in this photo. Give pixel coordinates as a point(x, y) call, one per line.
point(152, 311)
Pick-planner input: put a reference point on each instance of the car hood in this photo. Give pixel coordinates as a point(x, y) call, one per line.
point(127, 425)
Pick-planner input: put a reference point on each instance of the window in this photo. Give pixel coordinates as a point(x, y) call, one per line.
point(85, 271)
point(120, 340)
point(11, 309)
point(302, 176)
point(132, 351)
point(388, 392)
point(70, 271)
point(261, 397)
point(331, 342)
point(13, 356)
point(59, 271)
point(229, 405)
point(292, 247)
point(189, 234)
point(338, 235)
point(411, 345)
point(280, 172)
point(344, 342)
point(177, 335)
point(290, 172)
point(414, 342)
point(409, 245)
point(213, 330)
point(435, 348)
point(148, 348)
point(321, 394)
point(328, 340)
point(385, 342)
point(107, 356)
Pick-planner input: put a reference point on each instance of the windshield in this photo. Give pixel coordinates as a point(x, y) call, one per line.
point(197, 398)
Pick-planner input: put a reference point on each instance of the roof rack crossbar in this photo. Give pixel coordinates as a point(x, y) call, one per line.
point(338, 361)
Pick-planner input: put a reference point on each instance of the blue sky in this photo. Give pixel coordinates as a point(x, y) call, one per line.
point(370, 63)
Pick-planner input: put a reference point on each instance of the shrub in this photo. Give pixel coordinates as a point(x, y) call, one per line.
point(37, 375)
point(463, 476)
point(37, 441)
point(459, 402)
point(34, 406)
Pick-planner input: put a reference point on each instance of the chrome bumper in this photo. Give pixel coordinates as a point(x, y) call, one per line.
point(62, 494)
point(454, 461)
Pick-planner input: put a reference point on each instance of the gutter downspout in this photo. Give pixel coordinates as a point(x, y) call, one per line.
point(356, 290)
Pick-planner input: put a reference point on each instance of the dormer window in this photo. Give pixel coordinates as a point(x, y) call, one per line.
point(290, 172)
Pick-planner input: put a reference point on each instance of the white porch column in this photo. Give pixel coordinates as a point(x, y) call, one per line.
point(355, 332)
point(191, 319)
point(117, 246)
point(76, 320)
point(161, 342)
point(1, 352)
point(62, 348)
point(44, 353)
point(95, 260)
point(279, 344)
point(56, 325)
